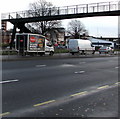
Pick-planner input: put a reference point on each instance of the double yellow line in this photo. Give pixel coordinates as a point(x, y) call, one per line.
point(106, 86)
point(81, 93)
point(102, 87)
point(117, 83)
point(4, 114)
point(51, 101)
point(44, 103)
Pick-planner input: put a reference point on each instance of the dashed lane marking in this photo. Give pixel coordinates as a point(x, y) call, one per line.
point(44, 103)
point(81, 93)
point(82, 62)
point(8, 81)
point(41, 65)
point(79, 72)
point(4, 114)
point(102, 87)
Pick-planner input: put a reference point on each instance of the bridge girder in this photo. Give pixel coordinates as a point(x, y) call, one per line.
point(61, 17)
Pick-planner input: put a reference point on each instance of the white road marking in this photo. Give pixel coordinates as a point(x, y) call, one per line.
point(82, 62)
point(67, 65)
point(8, 81)
point(79, 72)
point(116, 67)
point(41, 65)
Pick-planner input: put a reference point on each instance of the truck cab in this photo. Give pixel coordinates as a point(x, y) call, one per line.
point(49, 47)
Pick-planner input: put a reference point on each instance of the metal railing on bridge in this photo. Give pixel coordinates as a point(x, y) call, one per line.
point(27, 24)
point(75, 9)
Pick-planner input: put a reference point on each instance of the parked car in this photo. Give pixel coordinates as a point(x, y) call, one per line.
point(106, 49)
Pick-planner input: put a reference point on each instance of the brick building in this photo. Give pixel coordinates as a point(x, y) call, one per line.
point(6, 37)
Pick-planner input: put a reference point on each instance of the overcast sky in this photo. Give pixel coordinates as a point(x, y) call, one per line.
point(97, 26)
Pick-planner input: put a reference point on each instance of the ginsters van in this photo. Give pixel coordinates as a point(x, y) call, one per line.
point(32, 44)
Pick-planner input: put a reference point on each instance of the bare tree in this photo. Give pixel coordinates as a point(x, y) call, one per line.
point(76, 29)
point(43, 8)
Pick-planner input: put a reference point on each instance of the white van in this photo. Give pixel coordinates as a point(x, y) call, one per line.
point(80, 46)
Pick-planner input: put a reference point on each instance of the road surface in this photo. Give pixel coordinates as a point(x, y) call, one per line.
point(65, 87)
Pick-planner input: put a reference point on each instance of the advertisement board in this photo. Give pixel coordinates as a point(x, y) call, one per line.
point(36, 43)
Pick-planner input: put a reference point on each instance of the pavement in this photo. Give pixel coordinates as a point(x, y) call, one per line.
point(57, 55)
point(18, 57)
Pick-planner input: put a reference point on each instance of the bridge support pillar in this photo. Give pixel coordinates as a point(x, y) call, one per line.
point(13, 36)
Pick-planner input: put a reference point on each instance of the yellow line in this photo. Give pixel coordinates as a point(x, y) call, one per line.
point(81, 93)
point(6, 113)
point(47, 102)
point(117, 83)
point(103, 87)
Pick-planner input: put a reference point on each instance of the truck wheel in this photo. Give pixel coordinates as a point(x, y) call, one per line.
point(83, 52)
point(41, 54)
point(51, 53)
point(93, 52)
point(31, 54)
point(72, 53)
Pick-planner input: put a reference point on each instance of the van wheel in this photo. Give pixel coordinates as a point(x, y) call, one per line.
point(83, 52)
point(51, 53)
point(72, 53)
point(31, 54)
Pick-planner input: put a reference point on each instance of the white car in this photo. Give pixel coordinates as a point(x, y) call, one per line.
point(106, 49)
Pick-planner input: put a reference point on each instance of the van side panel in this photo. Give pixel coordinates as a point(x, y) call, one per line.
point(36, 43)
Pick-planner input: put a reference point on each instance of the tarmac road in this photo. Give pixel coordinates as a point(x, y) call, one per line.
point(64, 87)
